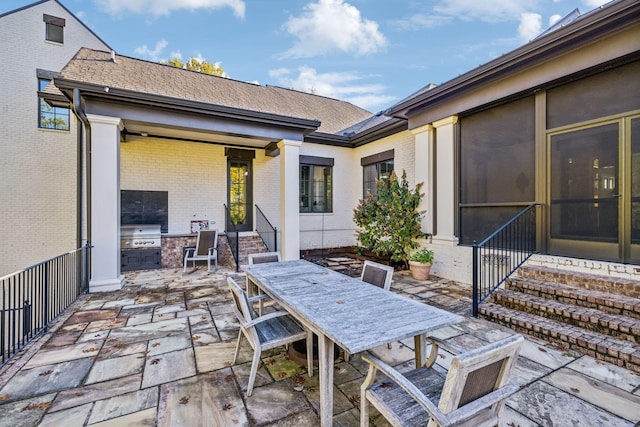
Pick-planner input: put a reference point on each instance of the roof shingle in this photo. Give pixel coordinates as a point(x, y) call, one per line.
point(97, 67)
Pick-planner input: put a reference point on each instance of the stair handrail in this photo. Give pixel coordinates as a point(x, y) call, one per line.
point(265, 230)
point(502, 253)
point(232, 233)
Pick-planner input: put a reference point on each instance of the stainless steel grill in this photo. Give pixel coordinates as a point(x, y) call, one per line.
point(140, 236)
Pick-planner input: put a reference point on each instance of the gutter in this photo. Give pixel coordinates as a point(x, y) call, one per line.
point(76, 106)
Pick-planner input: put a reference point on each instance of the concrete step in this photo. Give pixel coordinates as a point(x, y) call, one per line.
point(607, 284)
point(617, 326)
point(600, 346)
point(604, 301)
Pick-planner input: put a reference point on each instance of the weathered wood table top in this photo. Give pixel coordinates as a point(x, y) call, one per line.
point(355, 315)
point(343, 310)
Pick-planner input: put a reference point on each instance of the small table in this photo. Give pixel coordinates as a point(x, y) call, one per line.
point(343, 310)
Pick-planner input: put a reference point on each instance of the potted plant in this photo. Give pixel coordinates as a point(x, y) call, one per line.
point(420, 264)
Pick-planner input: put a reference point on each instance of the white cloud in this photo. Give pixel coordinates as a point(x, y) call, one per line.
point(553, 19)
point(493, 11)
point(423, 20)
point(154, 54)
point(594, 3)
point(444, 12)
point(530, 26)
point(165, 7)
point(346, 86)
point(333, 25)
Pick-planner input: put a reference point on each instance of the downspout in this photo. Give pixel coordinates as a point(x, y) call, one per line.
point(80, 114)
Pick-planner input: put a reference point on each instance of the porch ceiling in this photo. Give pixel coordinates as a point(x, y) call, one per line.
point(135, 130)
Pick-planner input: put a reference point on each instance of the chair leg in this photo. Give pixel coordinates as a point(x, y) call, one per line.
point(208, 265)
point(235, 355)
point(364, 410)
point(254, 370)
point(310, 353)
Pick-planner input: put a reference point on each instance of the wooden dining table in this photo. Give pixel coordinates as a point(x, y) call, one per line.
point(346, 311)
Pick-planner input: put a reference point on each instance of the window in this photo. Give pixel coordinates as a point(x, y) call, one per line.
point(375, 168)
point(54, 28)
point(50, 117)
point(497, 167)
point(316, 184)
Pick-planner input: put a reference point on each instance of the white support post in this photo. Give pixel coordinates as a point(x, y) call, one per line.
point(423, 146)
point(289, 199)
point(105, 204)
point(445, 180)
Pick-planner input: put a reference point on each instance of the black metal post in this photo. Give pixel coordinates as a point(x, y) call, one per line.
point(476, 282)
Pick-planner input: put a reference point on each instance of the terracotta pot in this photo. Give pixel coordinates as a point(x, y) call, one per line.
point(419, 271)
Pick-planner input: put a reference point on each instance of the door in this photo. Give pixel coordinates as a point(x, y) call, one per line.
point(240, 192)
point(632, 254)
point(591, 215)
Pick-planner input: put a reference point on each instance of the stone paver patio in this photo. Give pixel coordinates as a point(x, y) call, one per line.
point(159, 352)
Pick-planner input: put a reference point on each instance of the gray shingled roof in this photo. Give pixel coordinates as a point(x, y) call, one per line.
point(96, 67)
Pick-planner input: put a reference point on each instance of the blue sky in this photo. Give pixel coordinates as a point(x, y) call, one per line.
point(372, 53)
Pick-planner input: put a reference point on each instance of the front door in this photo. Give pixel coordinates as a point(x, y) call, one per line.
point(595, 191)
point(240, 192)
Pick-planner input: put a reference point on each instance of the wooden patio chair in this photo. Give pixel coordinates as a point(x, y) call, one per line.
point(265, 332)
point(260, 258)
point(206, 249)
point(377, 274)
point(472, 394)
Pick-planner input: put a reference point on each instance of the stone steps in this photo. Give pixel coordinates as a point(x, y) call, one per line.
point(594, 315)
point(594, 282)
point(618, 326)
point(600, 346)
point(603, 301)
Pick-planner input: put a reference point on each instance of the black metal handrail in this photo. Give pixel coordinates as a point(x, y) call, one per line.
point(233, 237)
point(500, 254)
point(267, 232)
point(32, 298)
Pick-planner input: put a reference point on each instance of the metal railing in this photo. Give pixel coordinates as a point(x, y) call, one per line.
point(233, 237)
point(267, 232)
point(32, 298)
point(500, 254)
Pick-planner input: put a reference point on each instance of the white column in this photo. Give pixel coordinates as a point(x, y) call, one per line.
point(423, 167)
point(445, 180)
point(105, 204)
point(289, 199)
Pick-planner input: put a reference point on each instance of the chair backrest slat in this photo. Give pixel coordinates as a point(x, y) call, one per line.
point(240, 300)
point(260, 258)
point(377, 274)
point(478, 372)
point(481, 382)
point(206, 239)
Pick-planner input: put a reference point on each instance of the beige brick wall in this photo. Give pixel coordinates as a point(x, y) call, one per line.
point(194, 175)
point(38, 168)
point(337, 229)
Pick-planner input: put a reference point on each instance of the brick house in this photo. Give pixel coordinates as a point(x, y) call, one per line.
point(554, 123)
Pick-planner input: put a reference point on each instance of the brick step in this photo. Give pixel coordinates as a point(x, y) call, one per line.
point(603, 301)
point(250, 244)
point(599, 346)
point(608, 284)
point(617, 326)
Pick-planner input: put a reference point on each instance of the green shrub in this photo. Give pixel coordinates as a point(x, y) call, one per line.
point(390, 224)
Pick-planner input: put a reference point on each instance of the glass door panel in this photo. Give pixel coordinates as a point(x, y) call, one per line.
point(239, 193)
point(584, 178)
point(634, 202)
